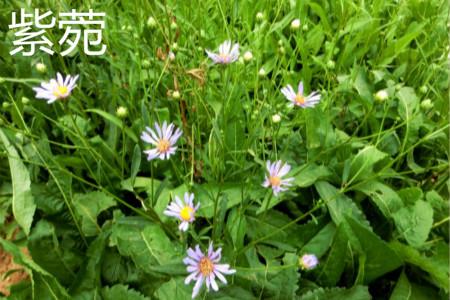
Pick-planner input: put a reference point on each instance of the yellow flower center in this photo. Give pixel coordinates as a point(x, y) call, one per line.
point(224, 57)
point(206, 266)
point(275, 181)
point(299, 99)
point(60, 91)
point(186, 213)
point(163, 145)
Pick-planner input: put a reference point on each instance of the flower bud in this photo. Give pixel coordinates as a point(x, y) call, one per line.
point(262, 72)
point(259, 16)
point(122, 112)
point(176, 95)
point(281, 50)
point(381, 95)
point(426, 104)
point(173, 26)
point(171, 56)
point(423, 89)
point(276, 118)
point(305, 27)
point(331, 64)
point(6, 104)
point(295, 24)
point(41, 68)
point(248, 56)
point(174, 47)
point(25, 100)
point(151, 22)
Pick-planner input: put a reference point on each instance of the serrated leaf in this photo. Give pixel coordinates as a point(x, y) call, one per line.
point(356, 293)
point(175, 288)
point(414, 222)
point(23, 205)
point(120, 291)
point(338, 204)
point(88, 206)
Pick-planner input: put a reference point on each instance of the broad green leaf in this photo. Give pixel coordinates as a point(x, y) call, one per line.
point(120, 291)
point(358, 292)
point(149, 247)
point(362, 163)
point(310, 173)
point(89, 275)
point(414, 222)
point(402, 290)
point(435, 266)
point(379, 258)
point(338, 204)
point(332, 266)
point(23, 205)
point(47, 251)
point(321, 242)
point(175, 288)
point(236, 226)
point(88, 206)
point(385, 198)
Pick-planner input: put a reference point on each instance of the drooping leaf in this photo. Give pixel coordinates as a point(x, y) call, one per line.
point(23, 205)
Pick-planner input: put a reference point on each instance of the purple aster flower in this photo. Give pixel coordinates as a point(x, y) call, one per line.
point(164, 139)
point(308, 261)
point(274, 179)
point(205, 268)
point(184, 211)
point(299, 98)
point(226, 55)
point(56, 89)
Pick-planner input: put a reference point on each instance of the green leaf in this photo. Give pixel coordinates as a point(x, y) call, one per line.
point(175, 288)
point(321, 242)
point(23, 205)
point(149, 247)
point(89, 275)
point(88, 206)
point(436, 266)
point(415, 222)
point(45, 285)
point(332, 267)
point(385, 198)
point(310, 173)
point(120, 291)
point(338, 204)
point(402, 290)
point(47, 251)
point(362, 163)
point(379, 259)
point(358, 292)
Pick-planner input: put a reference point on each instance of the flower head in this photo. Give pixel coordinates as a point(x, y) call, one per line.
point(299, 98)
point(184, 211)
point(205, 268)
point(227, 54)
point(56, 89)
point(308, 261)
point(381, 95)
point(274, 179)
point(164, 139)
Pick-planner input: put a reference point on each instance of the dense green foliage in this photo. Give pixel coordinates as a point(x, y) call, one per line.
point(370, 194)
